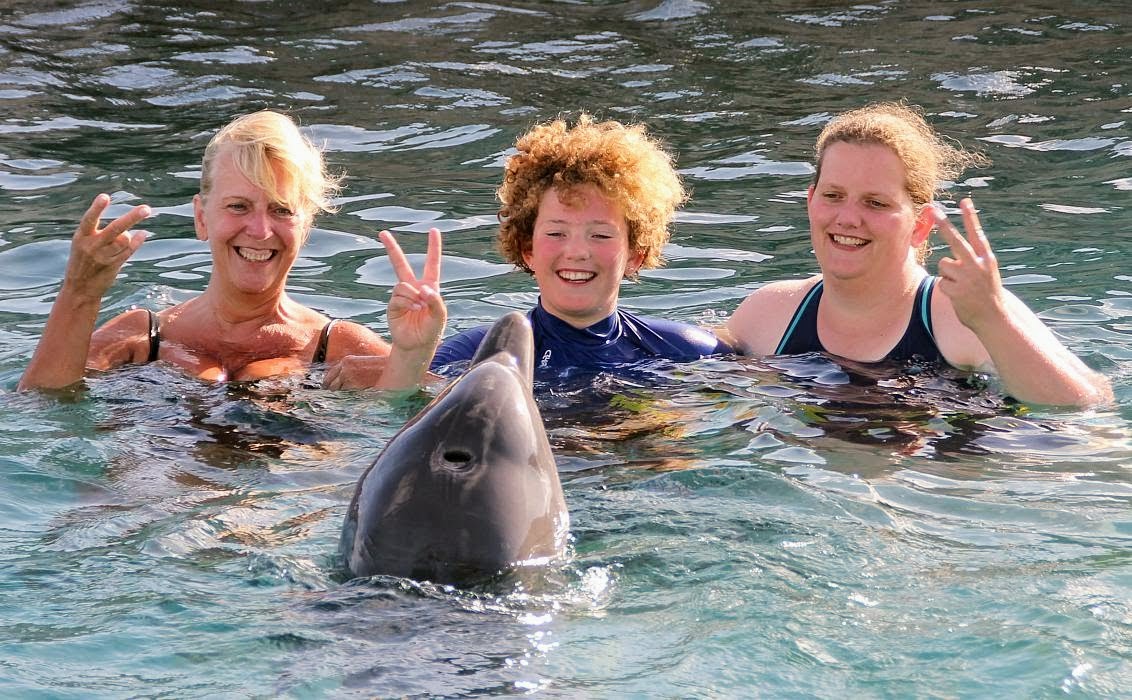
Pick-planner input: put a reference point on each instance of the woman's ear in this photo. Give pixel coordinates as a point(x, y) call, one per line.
point(198, 218)
point(925, 222)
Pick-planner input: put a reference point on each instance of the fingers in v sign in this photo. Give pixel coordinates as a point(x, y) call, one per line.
point(415, 289)
point(97, 254)
point(972, 252)
point(416, 311)
point(970, 277)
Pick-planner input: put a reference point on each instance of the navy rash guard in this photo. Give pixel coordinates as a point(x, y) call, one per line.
point(918, 341)
point(616, 341)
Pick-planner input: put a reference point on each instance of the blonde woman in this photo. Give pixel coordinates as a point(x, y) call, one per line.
point(262, 183)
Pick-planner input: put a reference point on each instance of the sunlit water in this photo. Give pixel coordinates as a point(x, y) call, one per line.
point(741, 527)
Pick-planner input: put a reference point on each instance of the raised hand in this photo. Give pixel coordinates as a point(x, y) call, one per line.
point(1029, 359)
point(98, 254)
point(970, 278)
point(416, 311)
point(416, 315)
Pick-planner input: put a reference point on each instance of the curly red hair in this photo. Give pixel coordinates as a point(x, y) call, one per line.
point(628, 166)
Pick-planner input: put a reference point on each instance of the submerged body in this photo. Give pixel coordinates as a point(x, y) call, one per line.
point(468, 487)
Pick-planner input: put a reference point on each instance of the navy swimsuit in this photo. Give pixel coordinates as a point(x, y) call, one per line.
point(616, 341)
point(918, 343)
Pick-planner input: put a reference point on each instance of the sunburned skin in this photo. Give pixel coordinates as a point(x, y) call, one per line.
point(234, 367)
point(262, 183)
point(254, 371)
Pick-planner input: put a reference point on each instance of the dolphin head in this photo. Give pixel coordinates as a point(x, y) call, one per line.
point(468, 487)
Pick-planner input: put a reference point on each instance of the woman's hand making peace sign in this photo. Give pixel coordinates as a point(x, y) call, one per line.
point(97, 254)
point(1029, 359)
point(970, 278)
point(416, 311)
point(416, 315)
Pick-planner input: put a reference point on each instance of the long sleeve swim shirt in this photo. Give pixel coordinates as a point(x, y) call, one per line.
point(617, 341)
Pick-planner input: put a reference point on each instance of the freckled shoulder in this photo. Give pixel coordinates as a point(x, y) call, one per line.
point(761, 319)
point(349, 338)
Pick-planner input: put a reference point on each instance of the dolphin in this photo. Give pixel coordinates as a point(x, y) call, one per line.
point(468, 488)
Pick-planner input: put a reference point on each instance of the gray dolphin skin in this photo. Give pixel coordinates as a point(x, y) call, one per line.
point(468, 488)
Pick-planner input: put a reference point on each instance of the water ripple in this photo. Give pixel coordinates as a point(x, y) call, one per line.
point(79, 16)
point(789, 524)
point(1001, 83)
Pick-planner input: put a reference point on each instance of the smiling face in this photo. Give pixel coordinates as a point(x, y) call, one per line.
point(862, 219)
point(579, 255)
point(254, 240)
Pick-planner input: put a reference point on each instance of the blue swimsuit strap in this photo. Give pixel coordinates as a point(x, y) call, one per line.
point(814, 292)
point(924, 293)
point(922, 312)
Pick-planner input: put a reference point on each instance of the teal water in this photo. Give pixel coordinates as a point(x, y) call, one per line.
point(741, 527)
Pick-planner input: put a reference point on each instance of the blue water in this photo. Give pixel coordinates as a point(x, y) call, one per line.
point(741, 527)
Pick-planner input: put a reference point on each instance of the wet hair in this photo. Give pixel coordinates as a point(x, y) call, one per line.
point(929, 160)
point(628, 166)
point(261, 140)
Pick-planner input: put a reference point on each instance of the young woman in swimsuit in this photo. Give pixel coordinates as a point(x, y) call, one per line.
point(262, 182)
point(871, 213)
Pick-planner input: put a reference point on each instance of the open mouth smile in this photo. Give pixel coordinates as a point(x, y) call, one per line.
point(853, 241)
point(575, 275)
point(255, 254)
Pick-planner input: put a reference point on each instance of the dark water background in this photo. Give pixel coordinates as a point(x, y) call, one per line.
point(741, 527)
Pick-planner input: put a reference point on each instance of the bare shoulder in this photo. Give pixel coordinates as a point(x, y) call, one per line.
point(761, 319)
point(349, 338)
point(957, 343)
point(121, 340)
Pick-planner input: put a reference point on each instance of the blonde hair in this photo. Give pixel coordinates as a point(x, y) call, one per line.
point(262, 140)
point(629, 167)
point(928, 159)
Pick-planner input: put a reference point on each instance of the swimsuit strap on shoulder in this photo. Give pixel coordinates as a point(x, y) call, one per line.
point(323, 342)
point(154, 336)
point(805, 323)
point(924, 299)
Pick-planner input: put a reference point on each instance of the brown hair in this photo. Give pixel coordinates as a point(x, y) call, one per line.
point(627, 165)
point(928, 159)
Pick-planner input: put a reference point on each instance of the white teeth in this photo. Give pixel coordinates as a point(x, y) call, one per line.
point(255, 255)
point(575, 276)
point(848, 240)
